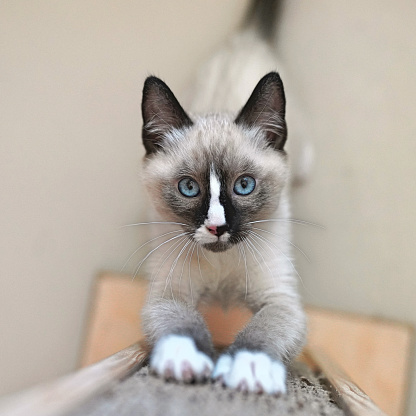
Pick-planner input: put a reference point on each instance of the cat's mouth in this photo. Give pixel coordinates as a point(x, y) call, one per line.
point(218, 246)
point(213, 238)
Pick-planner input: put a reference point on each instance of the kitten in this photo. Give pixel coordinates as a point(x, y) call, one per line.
point(216, 180)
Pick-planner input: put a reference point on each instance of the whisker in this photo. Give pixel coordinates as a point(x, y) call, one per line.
point(203, 253)
point(249, 246)
point(284, 239)
point(189, 272)
point(268, 243)
point(147, 242)
point(183, 266)
point(253, 251)
point(171, 250)
point(245, 265)
point(152, 251)
point(239, 257)
point(153, 222)
point(291, 220)
point(264, 261)
point(199, 264)
point(169, 277)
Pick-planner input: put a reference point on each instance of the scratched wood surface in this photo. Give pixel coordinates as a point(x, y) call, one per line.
point(347, 394)
point(82, 392)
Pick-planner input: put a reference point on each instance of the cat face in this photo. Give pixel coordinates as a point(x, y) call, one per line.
point(215, 174)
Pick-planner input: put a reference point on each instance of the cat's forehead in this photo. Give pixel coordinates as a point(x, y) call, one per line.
point(217, 139)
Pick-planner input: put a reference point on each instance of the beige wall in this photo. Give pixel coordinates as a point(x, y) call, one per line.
point(355, 63)
point(70, 150)
point(70, 83)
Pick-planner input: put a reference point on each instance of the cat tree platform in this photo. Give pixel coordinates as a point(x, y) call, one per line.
point(121, 386)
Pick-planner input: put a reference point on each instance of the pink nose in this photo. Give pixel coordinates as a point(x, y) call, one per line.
point(217, 230)
point(212, 229)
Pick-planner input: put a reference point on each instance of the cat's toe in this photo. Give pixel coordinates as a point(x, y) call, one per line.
point(252, 372)
point(222, 367)
point(279, 378)
point(176, 357)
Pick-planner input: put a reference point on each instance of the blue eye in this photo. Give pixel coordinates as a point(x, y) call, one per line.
point(188, 187)
point(244, 185)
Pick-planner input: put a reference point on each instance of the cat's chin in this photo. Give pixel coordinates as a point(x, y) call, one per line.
point(218, 247)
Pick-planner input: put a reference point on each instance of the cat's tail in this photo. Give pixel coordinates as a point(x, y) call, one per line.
point(225, 81)
point(262, 16)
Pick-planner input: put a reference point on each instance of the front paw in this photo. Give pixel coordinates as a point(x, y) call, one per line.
point(251, 372)
point(176, 357)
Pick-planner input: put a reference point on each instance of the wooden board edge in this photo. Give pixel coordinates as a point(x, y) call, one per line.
point(346, 393)
point(67, 393)
point(360, 317)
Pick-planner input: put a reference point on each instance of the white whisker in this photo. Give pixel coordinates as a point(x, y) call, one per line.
point(249, 246)
point(153, 222)
point(291, 220)
point(203, 253)
point(264, 261)
point(152, 251)
point(147, 242)
point(189, 273)
point(284, 239)
point(268, 243)
point(169, 277)
point(171, 250)
point(199, 264)
point(245, 265)
point(183, 267)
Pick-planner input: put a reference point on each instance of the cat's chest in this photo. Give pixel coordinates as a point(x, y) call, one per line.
point(224, 277)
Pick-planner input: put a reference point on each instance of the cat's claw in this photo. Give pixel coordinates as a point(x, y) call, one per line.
point(176, 357)
point(251, 372)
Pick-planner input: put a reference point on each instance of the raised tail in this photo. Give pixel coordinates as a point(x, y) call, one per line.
point(262, 16)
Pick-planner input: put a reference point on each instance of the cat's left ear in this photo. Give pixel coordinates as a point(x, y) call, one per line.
point(265, 109)
point(161, 112)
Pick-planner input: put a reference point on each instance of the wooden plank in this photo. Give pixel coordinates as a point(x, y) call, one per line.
point(374, 352)
point(348, 395)
point(65, 394)
point(114, 321)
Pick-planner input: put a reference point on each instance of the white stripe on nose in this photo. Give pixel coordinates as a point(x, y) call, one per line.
point(216, 213)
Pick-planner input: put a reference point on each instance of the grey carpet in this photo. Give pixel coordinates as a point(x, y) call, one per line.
point(144, 394)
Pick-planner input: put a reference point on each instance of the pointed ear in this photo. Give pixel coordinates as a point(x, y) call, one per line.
point(161, 114)
point(266, 109)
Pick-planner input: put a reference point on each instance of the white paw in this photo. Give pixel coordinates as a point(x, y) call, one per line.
point(251, 371)
point(176, 356)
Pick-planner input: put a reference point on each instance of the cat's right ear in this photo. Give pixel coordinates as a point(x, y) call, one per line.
point(161, 112)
